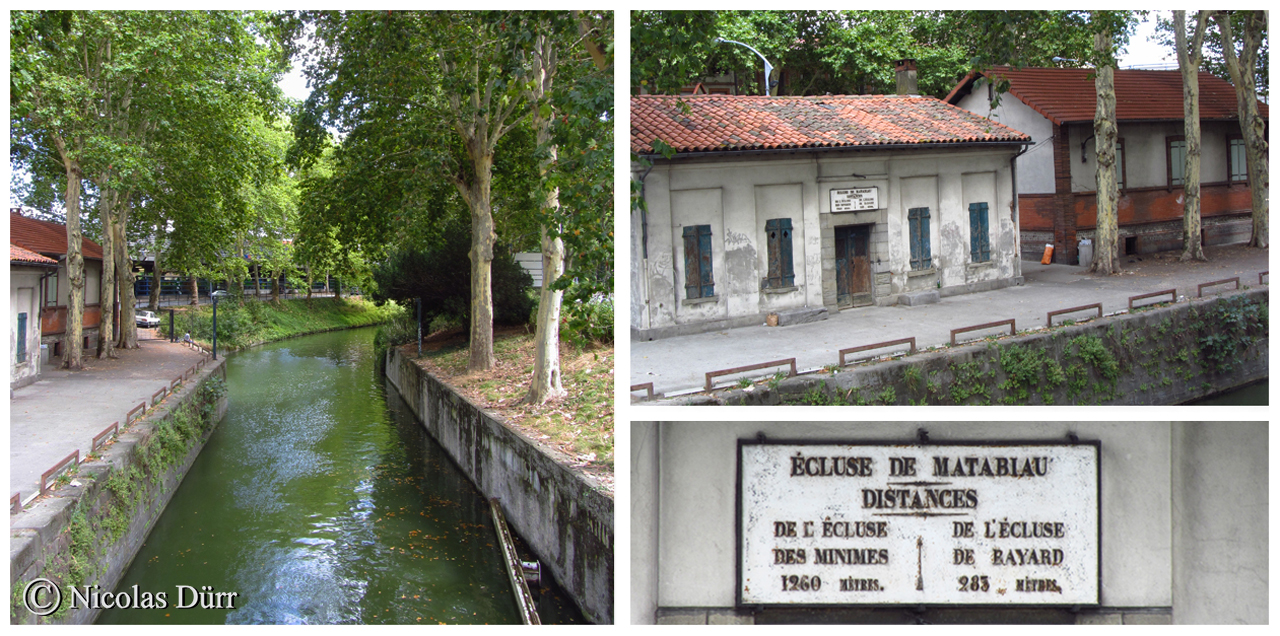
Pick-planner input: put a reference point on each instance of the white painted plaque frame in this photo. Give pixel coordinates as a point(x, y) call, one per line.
point(852, 533)
point(855, 199)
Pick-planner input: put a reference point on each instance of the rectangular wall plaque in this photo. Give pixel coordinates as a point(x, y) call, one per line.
point(855, 199)
point(883, 524)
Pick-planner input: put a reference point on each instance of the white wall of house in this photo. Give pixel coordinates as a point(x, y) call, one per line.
point(92, 283)
point(1144, 146)
point(1035, 168)
point(736, 196)
point(1146, 157)
point(24, 297)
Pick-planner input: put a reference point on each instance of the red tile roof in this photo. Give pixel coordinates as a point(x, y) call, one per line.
point(43, 237)
point(1067, 94)
point(24, 256)
point(718, 123)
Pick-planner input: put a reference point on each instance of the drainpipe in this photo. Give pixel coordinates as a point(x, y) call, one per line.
point(644, 245)
point(1017, 217)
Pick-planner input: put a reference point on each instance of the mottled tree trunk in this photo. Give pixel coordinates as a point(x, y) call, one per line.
point(1252, 126)
point(195, 289)
point(482, 240)
point(1189, 64)
point(1106, 259)
point(107, 297)
point(125, 278)
point(153, 300)
point(73, 349)
point(546, 382)
point(309, 285)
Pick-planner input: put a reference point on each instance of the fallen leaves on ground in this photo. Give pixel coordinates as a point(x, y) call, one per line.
point(580, 424)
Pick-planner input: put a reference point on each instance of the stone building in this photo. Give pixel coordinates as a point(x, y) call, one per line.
point(1057, 175)
point(800, 206)
point(1173, 524)
point(27, 272)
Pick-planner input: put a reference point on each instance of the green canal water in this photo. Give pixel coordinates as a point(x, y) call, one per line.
point(1255, 394)
point(319, 499)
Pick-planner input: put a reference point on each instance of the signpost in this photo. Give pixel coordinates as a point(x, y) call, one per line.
point(855, 199)
point(823, 524)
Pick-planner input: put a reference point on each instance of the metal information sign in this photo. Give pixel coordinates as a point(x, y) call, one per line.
point(882, 524)
point(855, 199)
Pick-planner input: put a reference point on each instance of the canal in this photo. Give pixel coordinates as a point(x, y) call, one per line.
point(319, 499)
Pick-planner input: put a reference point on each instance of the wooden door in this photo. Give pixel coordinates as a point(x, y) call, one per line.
point(853, 265)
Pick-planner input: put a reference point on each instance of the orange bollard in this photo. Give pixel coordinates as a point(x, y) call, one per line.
point(1048, 254)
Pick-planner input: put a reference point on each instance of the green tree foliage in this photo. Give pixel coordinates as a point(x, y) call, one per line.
point(140, 104)
point(441, 276)
point(847, 52)
point(1214, 62)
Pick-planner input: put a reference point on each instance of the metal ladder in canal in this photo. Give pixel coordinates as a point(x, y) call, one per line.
point(517, 571)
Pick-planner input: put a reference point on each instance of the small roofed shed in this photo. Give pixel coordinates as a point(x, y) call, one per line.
point(1057, 176)
point(49, 240)
point(798, 206)
point(26, 270)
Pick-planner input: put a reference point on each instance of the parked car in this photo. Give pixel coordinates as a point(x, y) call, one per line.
point(147, 319)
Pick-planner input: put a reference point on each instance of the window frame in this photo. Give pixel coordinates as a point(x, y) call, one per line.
point(1230, 178)
point(1168, 155)
point(1124, 176)
point(778, 241)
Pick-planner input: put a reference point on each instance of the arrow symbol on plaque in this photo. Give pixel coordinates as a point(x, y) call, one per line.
point(919, 562)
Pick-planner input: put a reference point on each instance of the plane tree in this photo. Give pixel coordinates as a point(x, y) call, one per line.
point(1242, 63)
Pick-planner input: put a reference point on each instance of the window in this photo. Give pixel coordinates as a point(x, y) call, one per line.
point(1176, 149)
point(1120, 164)
point(1236, 159)
point(979, 233)
point(918, 218)
point(21, 350)
point(697, 262)
point(778, 233)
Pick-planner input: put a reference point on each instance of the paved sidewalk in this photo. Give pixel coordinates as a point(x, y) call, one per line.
point(677, 364)
point(61, 413)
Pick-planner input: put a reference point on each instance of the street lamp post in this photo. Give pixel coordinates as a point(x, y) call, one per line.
point(768, 68)
point(216, 295)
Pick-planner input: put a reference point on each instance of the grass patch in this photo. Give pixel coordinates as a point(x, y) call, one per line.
point(580, 424)
point(244, 324)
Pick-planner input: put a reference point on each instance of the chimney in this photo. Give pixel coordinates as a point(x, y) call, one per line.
point(906, 70)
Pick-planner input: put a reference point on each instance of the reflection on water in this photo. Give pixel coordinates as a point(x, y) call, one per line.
point(316, 502)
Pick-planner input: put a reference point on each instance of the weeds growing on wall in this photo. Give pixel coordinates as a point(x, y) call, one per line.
point(1237, 322)
point(95, 525)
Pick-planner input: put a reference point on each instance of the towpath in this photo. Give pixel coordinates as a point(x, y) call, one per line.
point(64, 410)
point(678, 365)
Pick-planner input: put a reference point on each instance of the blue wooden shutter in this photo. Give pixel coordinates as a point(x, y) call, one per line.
point(21, 349)
point(697, 262)
point(979, 233)
point(784, 252)
point(918, 221)
point(704, 258)
point(781, 273)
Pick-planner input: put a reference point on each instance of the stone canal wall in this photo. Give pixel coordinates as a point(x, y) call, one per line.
point(87, 530)
point(564, 518)
point(1167, 354)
